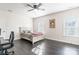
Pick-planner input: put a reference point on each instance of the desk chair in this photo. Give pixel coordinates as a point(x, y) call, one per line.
point(8, 45)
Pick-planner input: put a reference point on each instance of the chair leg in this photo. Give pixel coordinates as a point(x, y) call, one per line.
point(6, 52)
point(12, 52)
point(2, 52)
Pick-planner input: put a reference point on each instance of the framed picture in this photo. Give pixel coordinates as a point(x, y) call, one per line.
point(52, 23)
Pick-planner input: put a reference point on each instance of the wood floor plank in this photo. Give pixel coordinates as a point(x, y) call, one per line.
point(44, 47)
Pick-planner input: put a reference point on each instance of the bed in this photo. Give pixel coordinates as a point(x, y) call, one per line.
point(31, 36)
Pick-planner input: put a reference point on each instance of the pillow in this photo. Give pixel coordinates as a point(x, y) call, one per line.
point(23, 31)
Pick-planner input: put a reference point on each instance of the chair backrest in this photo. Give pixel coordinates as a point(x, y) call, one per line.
point(11, 38)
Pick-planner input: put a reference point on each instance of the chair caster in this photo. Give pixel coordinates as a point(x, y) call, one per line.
point(12, 52)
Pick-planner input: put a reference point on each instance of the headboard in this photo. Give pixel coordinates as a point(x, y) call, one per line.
point(24, 30)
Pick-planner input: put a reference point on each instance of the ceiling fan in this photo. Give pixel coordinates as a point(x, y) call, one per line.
point(35, 6)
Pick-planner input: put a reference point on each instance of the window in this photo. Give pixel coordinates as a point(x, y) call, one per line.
point(71, 27)
point(40, 27)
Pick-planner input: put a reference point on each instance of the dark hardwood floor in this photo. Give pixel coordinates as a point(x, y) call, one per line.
point(22, 47)
point(51, 47)
point(45, 47)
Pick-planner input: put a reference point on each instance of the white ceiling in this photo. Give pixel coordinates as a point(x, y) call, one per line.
point(49, 8)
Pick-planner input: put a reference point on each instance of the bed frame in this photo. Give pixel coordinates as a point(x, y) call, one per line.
point(27, 34)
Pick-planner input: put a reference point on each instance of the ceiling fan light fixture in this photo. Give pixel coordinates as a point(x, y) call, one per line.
point(35, 6)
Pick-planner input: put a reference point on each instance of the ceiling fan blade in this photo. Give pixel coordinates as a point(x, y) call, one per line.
point(39, 4)
point(41, 9)
point(29, 5)
point(30, 9)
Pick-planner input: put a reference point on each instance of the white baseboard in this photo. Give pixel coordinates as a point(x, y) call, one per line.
point(62, 41)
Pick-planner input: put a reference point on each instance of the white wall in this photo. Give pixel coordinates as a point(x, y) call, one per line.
point(15, 21)
point(3, 18)
point(57, 33)
point(12, 22)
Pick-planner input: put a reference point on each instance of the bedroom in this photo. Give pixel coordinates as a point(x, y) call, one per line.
point(44, 26)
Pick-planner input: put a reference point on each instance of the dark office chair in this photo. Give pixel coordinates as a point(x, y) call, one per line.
point(9, 45)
